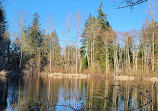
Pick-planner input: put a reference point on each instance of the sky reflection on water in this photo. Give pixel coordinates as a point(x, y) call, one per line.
point(77, 94)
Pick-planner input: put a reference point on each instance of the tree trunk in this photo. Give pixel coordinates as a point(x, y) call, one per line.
point(129, 66)
point(107, 59)
point(22, 44)
point(39, 62)
point(136, 61)
point(21, 57)
point(50, 56)
point(153, 50)
point(87, 54)
point(91, 53)
point(115, 60)
point(77, 53)
point(134, 67)
point(53, 68)
point(120, 58)
point(67, 69)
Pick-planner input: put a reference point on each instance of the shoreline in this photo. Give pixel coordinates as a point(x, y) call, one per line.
point(62, 75)
point(86, 76)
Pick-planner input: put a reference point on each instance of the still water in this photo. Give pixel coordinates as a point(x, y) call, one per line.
point(65, 94)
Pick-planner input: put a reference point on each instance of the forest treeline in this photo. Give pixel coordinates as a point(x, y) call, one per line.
point(102, 50)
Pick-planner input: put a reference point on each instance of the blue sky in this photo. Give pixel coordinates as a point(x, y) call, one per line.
point(121, 20)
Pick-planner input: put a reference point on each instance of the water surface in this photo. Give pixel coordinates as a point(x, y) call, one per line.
point(58, 94)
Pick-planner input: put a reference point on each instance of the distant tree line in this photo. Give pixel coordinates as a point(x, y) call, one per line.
point(103, 51)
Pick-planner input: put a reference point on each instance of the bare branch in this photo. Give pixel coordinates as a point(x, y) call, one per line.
point(129, 3)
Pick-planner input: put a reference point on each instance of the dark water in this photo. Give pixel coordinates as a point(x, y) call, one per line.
point(77, 94)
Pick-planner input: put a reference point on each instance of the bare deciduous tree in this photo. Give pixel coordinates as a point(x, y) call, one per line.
point(50, 26)
point(153, 15)
point(22, 19)
point(78, 32)
point(68, 27)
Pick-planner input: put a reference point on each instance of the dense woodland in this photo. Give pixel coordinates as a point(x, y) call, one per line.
point(103, 51)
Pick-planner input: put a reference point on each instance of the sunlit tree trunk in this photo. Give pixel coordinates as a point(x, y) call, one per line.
point(115, 61)
point(129, 66)
point(87, 54)
point(22, 18)
point(68, 42)
point(52, 57)
point(134, 67)
point(50, 61)
point(91, 53)
point(39, 62)
point(91, 57)
point(22, 42)
point(78, 31)
point(136, 61)
point(77, 55)
point(152, 14)
point(153, 39)
point(50, 26)
point(107, 59)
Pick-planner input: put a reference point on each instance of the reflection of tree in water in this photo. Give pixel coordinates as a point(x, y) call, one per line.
point(8, 93)
point(117, 97)
point(32, 105)
point(77, 94)
point(38, 94)
point(44, 94)
point(3, 95)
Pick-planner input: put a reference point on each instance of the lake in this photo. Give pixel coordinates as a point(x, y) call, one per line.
point(94, 94)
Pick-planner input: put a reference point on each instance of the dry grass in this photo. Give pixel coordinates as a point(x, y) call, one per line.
point(3, 73)
point(125, 78)
point(86, 71)
point(61, 75)
point(124, 75)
